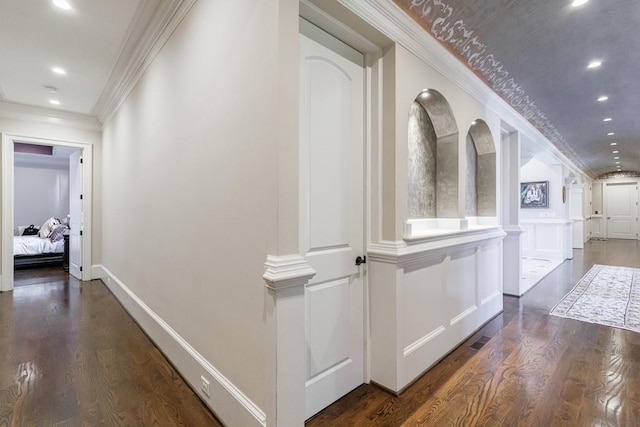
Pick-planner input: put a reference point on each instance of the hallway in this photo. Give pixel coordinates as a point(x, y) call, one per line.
point(70, 355)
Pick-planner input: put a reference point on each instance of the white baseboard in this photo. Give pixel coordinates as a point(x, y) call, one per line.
point(232, 406)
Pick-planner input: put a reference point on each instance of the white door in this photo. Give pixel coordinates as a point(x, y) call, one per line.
point(576, 204)
point(622, 211)
point(332, 213)
point(75, 213)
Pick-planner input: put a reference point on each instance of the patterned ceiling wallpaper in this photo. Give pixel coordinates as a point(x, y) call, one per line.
point(439, 18)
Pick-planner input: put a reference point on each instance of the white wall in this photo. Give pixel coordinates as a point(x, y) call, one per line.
point(40, 193)
point(190, 193)
point(536, 170)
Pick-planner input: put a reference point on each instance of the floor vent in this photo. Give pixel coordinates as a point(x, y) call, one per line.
point(481, 342)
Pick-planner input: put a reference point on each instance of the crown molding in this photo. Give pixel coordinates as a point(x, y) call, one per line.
point(12, 110)
point(394, 23)
point(137, 55)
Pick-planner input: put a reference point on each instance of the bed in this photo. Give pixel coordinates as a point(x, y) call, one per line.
point(33, 251)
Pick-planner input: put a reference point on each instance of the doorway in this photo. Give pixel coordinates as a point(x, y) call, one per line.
point(82, 247)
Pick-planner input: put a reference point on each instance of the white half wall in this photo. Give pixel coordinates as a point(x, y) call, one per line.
point(427, 298)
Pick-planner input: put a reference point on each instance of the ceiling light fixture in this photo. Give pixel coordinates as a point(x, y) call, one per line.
point(616, 157)
point(594, 64)
point(615, 151)
point(603, 98)
point(614, 143)
point(62, 4)
point(577, 3)
point(611, 133)
point(54, 102)
point(617, 163)
point(59, 70)
point(608, 119)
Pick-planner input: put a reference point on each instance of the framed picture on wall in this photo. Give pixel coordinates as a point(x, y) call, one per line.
point(534, 194)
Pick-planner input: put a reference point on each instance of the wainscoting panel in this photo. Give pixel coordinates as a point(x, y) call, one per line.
point(427, 298)
point(546, 239)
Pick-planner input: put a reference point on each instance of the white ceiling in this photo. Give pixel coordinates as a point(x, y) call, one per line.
point(87, 41)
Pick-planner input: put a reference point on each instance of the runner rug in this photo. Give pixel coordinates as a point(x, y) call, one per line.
point(606, 295)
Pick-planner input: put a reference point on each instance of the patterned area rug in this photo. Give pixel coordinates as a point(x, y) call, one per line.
point(606, 295)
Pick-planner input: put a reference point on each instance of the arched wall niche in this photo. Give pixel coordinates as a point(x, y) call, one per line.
point(433, 158)
point(481, 171)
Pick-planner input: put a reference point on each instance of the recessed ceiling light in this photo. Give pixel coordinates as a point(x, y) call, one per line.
point(59, 70)
point(608, 119)
point(62, 4)
point(594, 64)
point(615, 151)
point(54, 102)
point(614, 143)
point(603, 98)
point(576, 3)
point(617, 163)
point(616, 158)
point(611, 133)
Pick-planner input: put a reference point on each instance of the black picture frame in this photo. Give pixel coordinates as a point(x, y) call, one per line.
point(534, 194)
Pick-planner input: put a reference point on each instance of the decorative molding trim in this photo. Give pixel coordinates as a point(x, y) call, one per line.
point(422, 341)
point(232, 405)
point(621, 174)
point(135, 59)
point(286, 271)
point(97, 271)
point(394, 23)
point(513, 230)
point(12, 110)
point(541, 221)
point(403, 254)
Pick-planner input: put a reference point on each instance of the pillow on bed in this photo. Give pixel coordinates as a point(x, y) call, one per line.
point(47, 227)
point(58, 232)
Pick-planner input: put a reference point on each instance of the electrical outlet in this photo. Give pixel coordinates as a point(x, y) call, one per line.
point(204, 385)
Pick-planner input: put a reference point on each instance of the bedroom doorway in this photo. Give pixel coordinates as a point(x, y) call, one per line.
point(78, 159)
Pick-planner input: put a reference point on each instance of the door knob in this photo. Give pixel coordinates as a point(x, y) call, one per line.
point(361, 260)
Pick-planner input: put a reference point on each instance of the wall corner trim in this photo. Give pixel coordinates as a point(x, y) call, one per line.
point(232, 406)
point(286, 271)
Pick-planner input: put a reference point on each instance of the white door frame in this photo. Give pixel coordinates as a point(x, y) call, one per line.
point(606, 194)
point(372, 137)
point(7, 221)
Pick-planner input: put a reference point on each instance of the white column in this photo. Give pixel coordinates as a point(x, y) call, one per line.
point(286, 277)
point(512, 265)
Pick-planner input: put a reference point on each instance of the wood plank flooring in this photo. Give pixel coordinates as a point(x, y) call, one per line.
point(71, 356)
point(532, 370)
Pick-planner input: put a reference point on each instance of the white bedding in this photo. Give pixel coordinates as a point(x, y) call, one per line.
point(34, 245)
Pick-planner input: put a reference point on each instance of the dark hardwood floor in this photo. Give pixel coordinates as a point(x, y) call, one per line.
point(70, 355)
point(533, 369)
